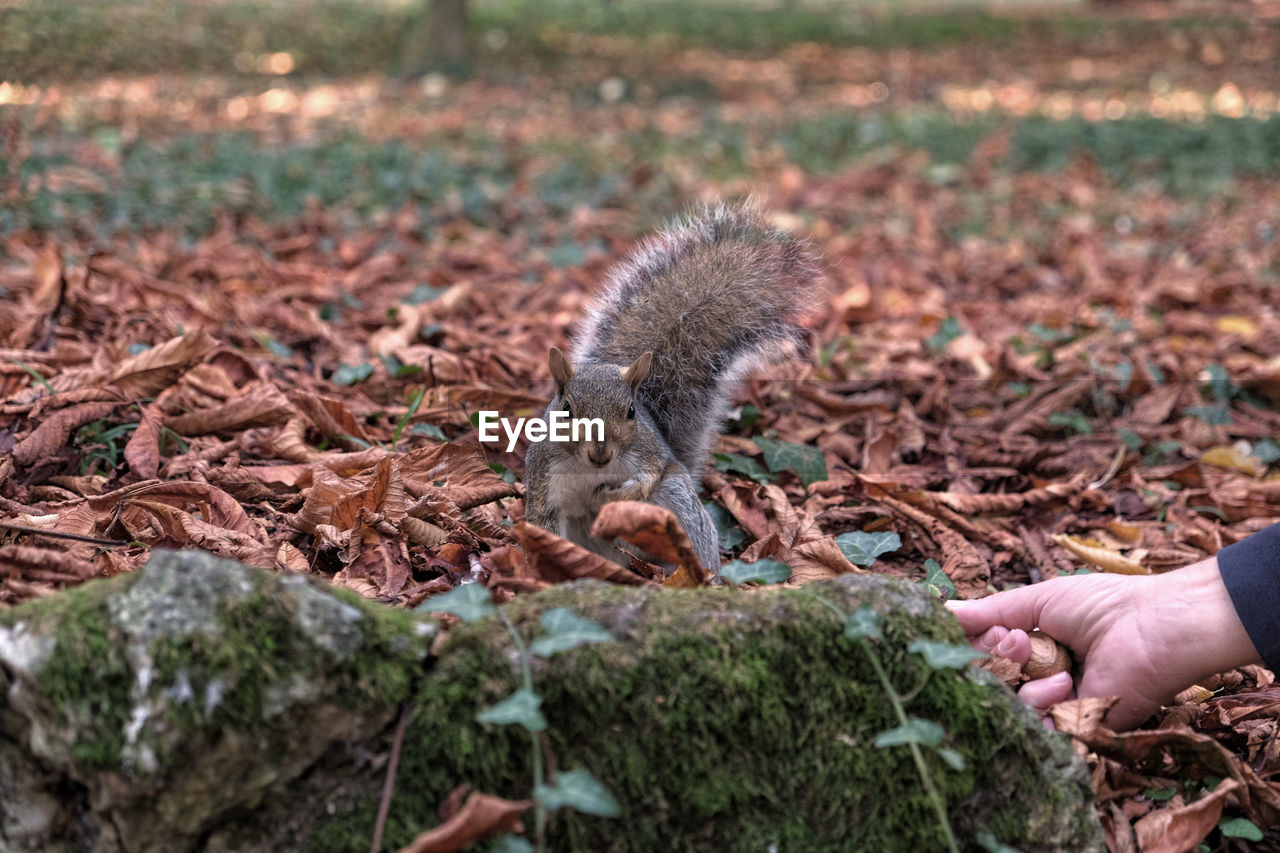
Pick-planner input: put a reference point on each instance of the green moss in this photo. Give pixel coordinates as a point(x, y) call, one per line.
point(88, 652)
point(720, 720)
point(756, 734)
point(260, 653)
point(204, 683)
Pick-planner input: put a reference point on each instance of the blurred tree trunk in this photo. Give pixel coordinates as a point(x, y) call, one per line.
point(443, 46)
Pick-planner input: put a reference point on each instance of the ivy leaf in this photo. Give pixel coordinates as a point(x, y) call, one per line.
point(510, 844)
point(1239, 827)
point(729, 533)
point(948, 330)
point(521, 707)
point(566, 630)
point(990, 843)
point(808, 462)
point(945, 655)
point(735, 464)
point(350, 374)
point(862, 548)
point(761, 571)
point(915, 730)
point(1266, 451)
point(744, 417)
point(952, 757)
point(937, 579)
point(863, 622)
point(578, 790)
point(423, 293)
point(469, 602)
point(434, 432)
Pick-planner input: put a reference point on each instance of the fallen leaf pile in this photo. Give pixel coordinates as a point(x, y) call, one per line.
point(1091, 378)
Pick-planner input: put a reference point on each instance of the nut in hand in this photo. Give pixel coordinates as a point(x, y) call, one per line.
point(1048, 657)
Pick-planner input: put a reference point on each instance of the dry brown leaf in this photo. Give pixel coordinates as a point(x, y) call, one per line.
point(187, 531)
point(1108, 561)
point(1083, 718)
point(151, 371)
point(878, 450)
point(1179, 829)
point(342, 501)
point(424, 533)
point(51, 565)
point(382, 562)
point(742, 502)
point(961, 562)
point(1222, 456)
point(1193, 695)
point(54, 430)
point(213, 505)
point(1129, 534)
point(331, 419)
point(653, 529)
point(142, 451)
point(1156, 406)
point(462, 473)
point(258, 405)
point(817, 559)
point(290, 560)
point(557, 559)
point(50, 281)
point(1003, 504)
point(683, 578)
point(481, 816)
point(1002, 668)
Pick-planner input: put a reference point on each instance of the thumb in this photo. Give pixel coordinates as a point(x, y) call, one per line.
point(1016, 608)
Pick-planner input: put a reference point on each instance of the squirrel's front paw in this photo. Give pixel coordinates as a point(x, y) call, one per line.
point(628, 490)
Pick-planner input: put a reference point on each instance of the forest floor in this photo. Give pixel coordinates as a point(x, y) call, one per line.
point(253, 294)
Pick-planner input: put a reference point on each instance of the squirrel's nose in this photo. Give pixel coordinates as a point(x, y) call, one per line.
point(599, 455)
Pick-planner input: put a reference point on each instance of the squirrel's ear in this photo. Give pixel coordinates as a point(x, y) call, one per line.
point(561, 370)
point(638, 370)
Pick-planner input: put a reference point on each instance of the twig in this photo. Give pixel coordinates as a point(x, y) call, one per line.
point(58, 534)
point(389, 785)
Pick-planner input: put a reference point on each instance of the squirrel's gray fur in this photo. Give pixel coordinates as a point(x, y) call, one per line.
point(713, 297)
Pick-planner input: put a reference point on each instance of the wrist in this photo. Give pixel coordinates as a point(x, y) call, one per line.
point(1198, 624)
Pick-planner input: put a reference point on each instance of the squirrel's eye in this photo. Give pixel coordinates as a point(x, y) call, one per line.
point(631, 413)
point(568, 410)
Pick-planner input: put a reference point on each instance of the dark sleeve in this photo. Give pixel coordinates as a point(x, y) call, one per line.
point(1251, 570)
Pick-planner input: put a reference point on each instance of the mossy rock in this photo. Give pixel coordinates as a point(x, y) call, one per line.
point(154, 706)
point(721, 720)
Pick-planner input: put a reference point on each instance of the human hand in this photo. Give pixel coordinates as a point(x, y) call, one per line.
point(1140, 637)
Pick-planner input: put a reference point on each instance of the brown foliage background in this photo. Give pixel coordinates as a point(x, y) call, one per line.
point(1091, 376)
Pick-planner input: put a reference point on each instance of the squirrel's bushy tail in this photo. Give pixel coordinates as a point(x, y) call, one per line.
point(716, 296)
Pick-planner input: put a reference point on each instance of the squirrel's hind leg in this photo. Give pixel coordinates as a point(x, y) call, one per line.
point(678, 493)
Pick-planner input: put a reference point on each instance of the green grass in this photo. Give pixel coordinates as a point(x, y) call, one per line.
point(43, 40)
point(189, 181)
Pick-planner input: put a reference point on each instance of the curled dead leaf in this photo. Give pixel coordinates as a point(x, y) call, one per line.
point(1002, 668)
point(258, 405)
point(52, 433)
point(1193, 695)
point(1083, 718)
point(1103, 558)
point(653, 529)
point(557, 559)
point(1175, 829)
point(153, 370)
point(1223, 456)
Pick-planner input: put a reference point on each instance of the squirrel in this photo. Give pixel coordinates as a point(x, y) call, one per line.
point(678, 325)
